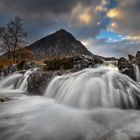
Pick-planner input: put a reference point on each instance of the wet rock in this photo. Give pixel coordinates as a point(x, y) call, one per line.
point(37, 82)
point(129, 71)
point(3, 99)
point(131, 57)
point(122, 63)
point(127, 66)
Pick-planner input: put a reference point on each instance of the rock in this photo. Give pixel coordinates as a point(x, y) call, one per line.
point(37, 82)
point(126, 67)
point(131, 57)
point(3, 99)
point(129, 71)
point(122, 63)
point(138, 58)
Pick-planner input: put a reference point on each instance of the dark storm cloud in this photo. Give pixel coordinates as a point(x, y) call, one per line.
point(36, 8)
point(83, 18)
point(78, 16)
point(39, 6)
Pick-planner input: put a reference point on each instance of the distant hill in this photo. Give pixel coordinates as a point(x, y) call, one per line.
point(60, 43)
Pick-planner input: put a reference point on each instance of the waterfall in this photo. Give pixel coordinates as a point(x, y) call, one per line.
point(92, 104)
point(15, 83)
point(22, 85)
point(101, 87)
point(137, 72)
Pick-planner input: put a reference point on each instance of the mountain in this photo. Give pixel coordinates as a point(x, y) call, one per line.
point(60, 43)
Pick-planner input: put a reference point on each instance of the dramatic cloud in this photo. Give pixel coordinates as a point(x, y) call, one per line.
point(74, 14)
point(86, 19)
point(125, 18)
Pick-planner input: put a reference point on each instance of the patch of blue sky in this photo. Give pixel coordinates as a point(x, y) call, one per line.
point(110, 36)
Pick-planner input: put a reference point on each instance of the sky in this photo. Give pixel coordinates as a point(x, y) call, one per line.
point(109, 28)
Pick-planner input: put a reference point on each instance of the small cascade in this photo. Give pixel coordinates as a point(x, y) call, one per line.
point(22, 85)
point(101, 87)
point(9, 81)
point(16, 82)
point(137, 72)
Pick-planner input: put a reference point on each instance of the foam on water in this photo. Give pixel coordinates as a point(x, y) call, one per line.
point(37, 118)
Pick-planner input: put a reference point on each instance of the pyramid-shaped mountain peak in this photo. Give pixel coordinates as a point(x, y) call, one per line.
point(60, 43)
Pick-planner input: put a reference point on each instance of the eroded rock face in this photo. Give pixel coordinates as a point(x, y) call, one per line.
point(131, 57)
point(129, 71)
point(127, 66)
point(122, 63)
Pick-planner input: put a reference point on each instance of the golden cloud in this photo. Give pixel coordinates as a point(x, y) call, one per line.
point(134, 38)
point(83, 16)
point(115, 13)
point(100, 8)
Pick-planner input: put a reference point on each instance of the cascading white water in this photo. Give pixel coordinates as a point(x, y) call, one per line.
point(90, 88)
point(15, 83)
point(9, 81)
point(22, 85)
point(137, 72)
point(102, 90)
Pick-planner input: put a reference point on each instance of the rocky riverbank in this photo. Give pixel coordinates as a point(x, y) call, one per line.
point(50, 68)
point(127, 66)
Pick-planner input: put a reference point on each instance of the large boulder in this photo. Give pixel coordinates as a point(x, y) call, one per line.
point(126, 67)
point(131, 57)
point(129, 71)
point(122, 63)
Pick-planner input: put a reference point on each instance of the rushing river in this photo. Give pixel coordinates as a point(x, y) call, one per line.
point(93, 104)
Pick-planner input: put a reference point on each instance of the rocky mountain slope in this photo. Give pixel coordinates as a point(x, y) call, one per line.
point(60, 43)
